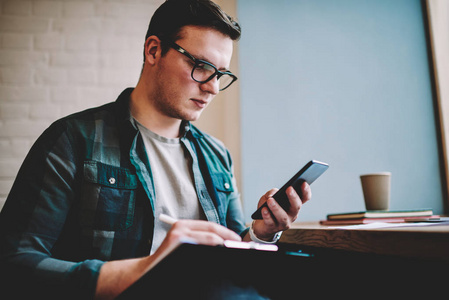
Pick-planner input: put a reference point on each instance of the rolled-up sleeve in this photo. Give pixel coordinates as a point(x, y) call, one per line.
point(34, 217)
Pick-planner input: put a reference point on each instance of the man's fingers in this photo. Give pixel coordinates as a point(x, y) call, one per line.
point(267, 196)
point(295, 203)
point(204, 232)
point(218, 229)
point(280, 215)
point(267, 216)
point(206, 238)
point(306, 192)
point(271, 192)
point(275, 218)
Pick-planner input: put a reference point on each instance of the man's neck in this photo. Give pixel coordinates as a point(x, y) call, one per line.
point(151, 118)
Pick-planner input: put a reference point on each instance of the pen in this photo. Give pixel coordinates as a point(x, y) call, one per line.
point(167, 219)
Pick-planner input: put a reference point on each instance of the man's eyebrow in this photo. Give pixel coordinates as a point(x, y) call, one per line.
point(205, 59)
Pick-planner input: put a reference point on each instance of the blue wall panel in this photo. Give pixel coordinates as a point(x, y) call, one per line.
point(346, 82)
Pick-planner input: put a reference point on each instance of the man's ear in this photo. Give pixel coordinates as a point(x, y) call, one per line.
point(153, 50)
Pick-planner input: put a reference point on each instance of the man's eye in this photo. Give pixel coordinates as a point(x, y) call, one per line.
point(205, 67)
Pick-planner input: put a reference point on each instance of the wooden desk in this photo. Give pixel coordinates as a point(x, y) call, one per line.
point(427, 242)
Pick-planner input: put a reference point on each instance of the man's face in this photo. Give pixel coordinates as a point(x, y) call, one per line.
point(177, 94)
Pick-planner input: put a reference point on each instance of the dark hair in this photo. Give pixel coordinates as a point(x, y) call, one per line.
point(172, 15)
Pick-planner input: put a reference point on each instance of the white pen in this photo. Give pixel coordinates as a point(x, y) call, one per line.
point(167, 219)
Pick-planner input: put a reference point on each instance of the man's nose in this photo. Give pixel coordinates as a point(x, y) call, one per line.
point(212, 86)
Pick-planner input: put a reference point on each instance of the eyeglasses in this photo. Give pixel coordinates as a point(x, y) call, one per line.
point(204, 71)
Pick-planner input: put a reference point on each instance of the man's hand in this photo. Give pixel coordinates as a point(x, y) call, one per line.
point(275, 218)
point(116, 276)
point(202, 232)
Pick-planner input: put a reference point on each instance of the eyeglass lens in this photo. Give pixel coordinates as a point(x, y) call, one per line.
point(203, 72)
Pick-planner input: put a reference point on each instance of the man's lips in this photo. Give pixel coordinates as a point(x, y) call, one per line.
point(200, 103)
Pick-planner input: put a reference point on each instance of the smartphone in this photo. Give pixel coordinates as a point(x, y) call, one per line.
point(309, 173)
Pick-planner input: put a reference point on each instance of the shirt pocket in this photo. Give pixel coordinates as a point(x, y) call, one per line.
point(223, 182)
point(108, 197)
point(224, 187)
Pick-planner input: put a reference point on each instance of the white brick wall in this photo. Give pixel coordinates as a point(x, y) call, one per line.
point(58, 57)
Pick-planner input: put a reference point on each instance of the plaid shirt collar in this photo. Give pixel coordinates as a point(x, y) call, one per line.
point(125, 118)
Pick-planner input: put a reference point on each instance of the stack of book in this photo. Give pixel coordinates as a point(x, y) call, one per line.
point(385, 216)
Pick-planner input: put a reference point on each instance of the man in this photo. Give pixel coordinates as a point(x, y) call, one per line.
point(83, 215)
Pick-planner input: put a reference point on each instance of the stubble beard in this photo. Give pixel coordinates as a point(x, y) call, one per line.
point(170, 104)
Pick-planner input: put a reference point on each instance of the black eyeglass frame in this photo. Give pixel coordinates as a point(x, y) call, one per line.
point(197, 62)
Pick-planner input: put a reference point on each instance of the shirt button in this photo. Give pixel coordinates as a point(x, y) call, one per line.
point(227, 186)
point(112, 180)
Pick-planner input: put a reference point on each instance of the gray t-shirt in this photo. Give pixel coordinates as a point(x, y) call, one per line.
point(173, 182)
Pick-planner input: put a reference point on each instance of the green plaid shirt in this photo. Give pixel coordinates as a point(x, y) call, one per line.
point(84, 195)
